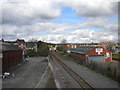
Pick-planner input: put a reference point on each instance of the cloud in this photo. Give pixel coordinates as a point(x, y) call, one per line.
point(32, 11)
point(112, 27)
point(33, 19)
point(52, 32)
point(93, 8)
point(27, 13)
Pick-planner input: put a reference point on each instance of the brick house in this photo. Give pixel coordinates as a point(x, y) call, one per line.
point(88, 54)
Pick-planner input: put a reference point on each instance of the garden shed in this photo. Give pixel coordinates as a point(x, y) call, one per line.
point(12, 56)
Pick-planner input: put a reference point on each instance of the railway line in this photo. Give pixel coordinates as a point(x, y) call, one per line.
point(84, 84)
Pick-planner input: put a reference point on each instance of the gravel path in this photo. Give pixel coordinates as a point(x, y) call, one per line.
point(95, 79)
point(64, 79)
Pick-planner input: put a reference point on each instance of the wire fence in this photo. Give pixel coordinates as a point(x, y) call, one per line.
point(110, 70)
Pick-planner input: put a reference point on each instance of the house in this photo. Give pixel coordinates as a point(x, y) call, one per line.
point(88, 54)
point(12, 56)
point(20, 43)
point(106, 43)
point(77, 45)
point(31, 46)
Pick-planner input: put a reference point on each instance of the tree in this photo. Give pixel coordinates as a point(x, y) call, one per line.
point(111, 47)
point(43, 49)
point(59, 48)
point(63, 44)
point(63, 41)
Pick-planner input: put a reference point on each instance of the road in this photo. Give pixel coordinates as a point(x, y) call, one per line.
point(27, 75)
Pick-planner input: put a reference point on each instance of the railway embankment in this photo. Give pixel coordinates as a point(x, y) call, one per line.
point(108, 72)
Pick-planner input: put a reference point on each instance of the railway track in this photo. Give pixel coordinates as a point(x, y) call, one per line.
point(75, 76)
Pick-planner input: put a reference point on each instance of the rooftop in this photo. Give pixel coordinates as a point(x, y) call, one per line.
point(82, 49)
point(9, 47)
point(30, 44)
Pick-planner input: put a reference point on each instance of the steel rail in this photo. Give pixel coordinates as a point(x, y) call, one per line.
point(84, 84)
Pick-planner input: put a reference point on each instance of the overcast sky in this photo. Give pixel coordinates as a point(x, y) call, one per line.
point(54, 20)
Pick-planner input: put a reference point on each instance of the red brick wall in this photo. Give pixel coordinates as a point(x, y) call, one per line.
point(93, 52)
point(68, 46)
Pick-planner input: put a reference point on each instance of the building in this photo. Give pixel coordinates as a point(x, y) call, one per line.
point(12, 56)
point(107, 43)
point(20, 43)
point(88, 54)
point(77, 45)
point(31, 46)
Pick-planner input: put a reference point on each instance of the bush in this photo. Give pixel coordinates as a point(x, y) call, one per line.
point(59, 48)
point(44, 52)
point(32, 53)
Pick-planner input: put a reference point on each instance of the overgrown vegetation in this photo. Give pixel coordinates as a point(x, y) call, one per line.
point(31, 53)
point(59, 48)
point(64, 56)
point(111, 47)
point(105, 69)
point(116, 56)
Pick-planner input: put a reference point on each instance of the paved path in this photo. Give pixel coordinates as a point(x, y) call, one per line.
point(95, 79)
point(27, 75)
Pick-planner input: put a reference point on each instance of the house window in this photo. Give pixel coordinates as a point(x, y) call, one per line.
point(72, 46)
point(75, 46)
point(68, 45)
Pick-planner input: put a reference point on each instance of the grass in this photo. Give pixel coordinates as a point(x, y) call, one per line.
point(116, 56)
point(64, 56)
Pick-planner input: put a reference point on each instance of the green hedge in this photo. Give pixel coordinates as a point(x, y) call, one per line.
point(116, 56)
point(31, 53)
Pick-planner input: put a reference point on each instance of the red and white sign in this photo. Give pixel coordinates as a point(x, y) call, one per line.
point(99, 50)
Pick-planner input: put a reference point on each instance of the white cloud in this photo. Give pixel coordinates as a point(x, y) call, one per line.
point(93, 8)
point(31, 19)
point(53, 32)
point(26, 13)
point(31, 10)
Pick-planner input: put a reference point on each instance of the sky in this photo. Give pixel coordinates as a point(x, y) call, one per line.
point(76, 21)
